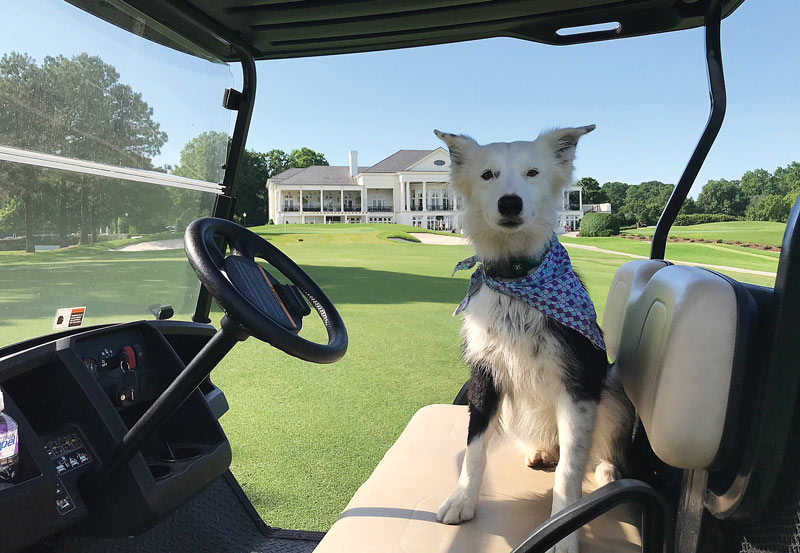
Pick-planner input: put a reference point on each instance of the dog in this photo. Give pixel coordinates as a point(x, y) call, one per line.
point(544, 384)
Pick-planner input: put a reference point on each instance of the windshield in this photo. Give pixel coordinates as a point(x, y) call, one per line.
point(102, 166)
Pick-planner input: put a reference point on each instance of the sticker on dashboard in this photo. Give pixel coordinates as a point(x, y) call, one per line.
point(69, 317)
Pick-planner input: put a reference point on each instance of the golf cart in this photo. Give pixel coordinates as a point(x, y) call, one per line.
point(120, 448)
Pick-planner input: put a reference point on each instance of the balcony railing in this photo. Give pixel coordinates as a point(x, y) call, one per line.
point(374, 208)
point(291, 208)
point(334, 208)
point(444, 206)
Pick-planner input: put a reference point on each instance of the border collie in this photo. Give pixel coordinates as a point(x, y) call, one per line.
point(538, 370)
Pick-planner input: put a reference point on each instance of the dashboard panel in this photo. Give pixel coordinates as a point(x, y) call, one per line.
point(75, 397)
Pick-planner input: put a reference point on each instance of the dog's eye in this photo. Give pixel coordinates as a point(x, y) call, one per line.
point(487, 175)
point(532, 172)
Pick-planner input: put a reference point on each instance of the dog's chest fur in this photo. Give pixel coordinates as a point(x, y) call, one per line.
point(513, 341)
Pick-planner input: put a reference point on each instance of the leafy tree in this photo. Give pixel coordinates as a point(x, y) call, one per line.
point(203, 157)
point(759, 182)
point(277, 161)
point(722, 196)
point(789, 177)
point(769, 207)
point(615, 193)
point(306, 157)
point(592, 193)
point(22, 126)
point(645, 202)
point(73, 107)
point(689, 207)
point(251, 190)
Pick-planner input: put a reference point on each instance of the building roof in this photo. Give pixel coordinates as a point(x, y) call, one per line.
point(316, 174)
point(286, 174)
point(398, 161)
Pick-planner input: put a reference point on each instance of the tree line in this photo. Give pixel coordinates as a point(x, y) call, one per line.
point(759, 195)
point(77, 107)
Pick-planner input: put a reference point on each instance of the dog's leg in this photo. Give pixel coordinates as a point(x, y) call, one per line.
point(575, 426)
point(484, 399)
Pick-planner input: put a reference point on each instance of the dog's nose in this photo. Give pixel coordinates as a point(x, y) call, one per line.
point(509, 205)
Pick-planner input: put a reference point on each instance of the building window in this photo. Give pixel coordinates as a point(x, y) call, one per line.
point(439, 162)
point(380, 220)
point(416, 221)
point(288, 202)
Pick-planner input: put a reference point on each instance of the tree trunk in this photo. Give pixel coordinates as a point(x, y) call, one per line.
point(63, 239)
point(30, 239)
point(84, 238)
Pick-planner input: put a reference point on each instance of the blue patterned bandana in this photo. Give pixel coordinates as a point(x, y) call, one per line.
point(553, 288)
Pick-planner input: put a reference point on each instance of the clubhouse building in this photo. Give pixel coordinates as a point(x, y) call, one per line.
point(409, 187)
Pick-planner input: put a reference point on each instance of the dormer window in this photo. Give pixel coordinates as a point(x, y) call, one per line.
point(439, 162)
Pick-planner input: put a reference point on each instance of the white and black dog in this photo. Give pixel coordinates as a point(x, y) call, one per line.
point(539, 381)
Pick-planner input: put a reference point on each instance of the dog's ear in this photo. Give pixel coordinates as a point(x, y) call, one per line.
point(460, 146)
point(564, 141)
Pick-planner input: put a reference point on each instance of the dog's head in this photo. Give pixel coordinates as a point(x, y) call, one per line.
point(512, 189)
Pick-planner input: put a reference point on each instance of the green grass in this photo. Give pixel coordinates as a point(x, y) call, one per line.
point(756, 232)
point(306, 436)
point(696, 252)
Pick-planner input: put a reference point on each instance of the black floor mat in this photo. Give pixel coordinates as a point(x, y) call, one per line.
point(220, 520)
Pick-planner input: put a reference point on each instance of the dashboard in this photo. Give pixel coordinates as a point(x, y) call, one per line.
point(75, 396)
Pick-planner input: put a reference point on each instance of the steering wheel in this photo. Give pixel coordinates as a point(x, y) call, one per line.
point(247, 293)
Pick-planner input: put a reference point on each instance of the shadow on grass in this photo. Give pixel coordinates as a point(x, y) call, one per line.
point(357, 285)
point(125, 287)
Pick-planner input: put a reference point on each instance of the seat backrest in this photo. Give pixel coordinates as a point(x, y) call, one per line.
point(678, 336)
point(628, 283)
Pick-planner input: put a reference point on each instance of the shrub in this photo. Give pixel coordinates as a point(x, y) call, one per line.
point(686, 219)
point(270, 222)
point(401, 236)
point(599, 224)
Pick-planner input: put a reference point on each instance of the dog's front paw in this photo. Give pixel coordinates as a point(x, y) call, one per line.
point(567, 545)
point(459, 507)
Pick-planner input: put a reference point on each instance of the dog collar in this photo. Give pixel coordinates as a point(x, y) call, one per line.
point(514, 267)
point(552, 288)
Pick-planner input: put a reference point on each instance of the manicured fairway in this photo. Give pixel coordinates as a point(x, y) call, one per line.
point(757, 232)
point(306, 436)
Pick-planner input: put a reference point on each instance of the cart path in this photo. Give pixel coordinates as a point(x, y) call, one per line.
point(173, 244)
point(691, 263)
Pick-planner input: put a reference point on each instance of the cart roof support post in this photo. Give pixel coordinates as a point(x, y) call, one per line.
point(716, 89)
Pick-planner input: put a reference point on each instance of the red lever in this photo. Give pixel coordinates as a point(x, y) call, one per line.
point(131, 355)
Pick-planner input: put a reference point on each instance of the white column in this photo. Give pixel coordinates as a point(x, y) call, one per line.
point(455, 200)
point(364, 206)
point(322, 203)
point(408, 195)
point(341, 199)
point(424, 195)
point(580, 200)
point(301, 204)
point(402, 193)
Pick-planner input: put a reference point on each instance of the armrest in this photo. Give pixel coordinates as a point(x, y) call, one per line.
point(657, 517)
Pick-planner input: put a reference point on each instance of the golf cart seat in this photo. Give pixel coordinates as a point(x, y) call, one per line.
point(653, 317)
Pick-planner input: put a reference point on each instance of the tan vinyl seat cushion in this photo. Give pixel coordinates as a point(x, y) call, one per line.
point(395, 509)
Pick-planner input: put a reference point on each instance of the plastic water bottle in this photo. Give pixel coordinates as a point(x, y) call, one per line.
point(9, 445)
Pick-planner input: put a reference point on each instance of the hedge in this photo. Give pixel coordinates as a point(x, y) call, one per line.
point(599, 224)
point(684, 220)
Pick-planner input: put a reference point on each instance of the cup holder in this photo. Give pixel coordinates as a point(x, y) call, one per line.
point(159, 471)
point(178, 454)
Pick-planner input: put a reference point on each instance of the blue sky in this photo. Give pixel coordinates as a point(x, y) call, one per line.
point(647, 95)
